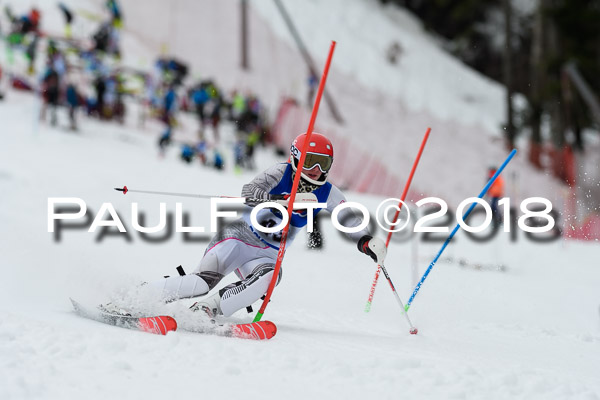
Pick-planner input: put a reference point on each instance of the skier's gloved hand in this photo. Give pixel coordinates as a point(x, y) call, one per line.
point(373, 247)
point(283, 199)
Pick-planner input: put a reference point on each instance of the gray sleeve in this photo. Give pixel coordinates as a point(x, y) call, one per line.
point(347, 216)
point(262, 184)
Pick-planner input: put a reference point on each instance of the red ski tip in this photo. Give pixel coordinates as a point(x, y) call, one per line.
point(158, 325)
point(414, 331)
point(260, 330)
point(124, 190)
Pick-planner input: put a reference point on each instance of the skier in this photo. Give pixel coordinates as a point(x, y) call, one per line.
point(251, 254)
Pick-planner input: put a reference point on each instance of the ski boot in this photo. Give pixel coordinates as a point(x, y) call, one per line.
point(211, 306)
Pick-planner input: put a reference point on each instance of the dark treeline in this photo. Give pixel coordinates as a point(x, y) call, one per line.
point(554, 56)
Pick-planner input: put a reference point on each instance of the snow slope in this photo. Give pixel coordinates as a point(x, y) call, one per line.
point(530, 332)
point(389, 105)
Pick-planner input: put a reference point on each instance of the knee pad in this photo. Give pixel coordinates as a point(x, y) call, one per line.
point(263, 269)
point(243, 293)
point(212, 279)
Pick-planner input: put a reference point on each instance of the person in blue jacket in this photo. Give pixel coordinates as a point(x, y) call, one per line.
point(72, 102)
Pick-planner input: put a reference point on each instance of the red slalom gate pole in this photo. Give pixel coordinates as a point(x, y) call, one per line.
point(292, 197)
point(389, 236)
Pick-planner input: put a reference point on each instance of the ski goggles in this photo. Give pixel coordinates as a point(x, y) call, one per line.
point(324, 161)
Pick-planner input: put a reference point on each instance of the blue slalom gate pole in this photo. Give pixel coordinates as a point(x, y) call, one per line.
point(457, 227)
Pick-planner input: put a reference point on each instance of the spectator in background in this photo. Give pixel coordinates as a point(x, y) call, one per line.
point(200, 97)
point(251, 141)
point(495, 193)
point(239, 152)
point(31, 53)
point(187, 153)
point(119, 106)
point(51, 50)
point(72, 102)
point(50, 93)
point(165, 139)
point(219, 164)
point(102, 37)
point(100, 87)
point(214, 109)
point(114, 107)
point(169, 104)
point(106, 40)
point(238, 106)
point(201, 148)
point(172, 70)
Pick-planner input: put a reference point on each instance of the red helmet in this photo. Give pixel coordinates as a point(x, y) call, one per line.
point(320, 153)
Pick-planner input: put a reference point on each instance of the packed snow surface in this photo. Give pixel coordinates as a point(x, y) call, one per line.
point(529, 330)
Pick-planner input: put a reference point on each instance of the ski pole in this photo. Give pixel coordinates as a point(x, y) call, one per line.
point(124, 189)
point(456, 228)
point(389, 236)
point(413, 330)
point(295, 184)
